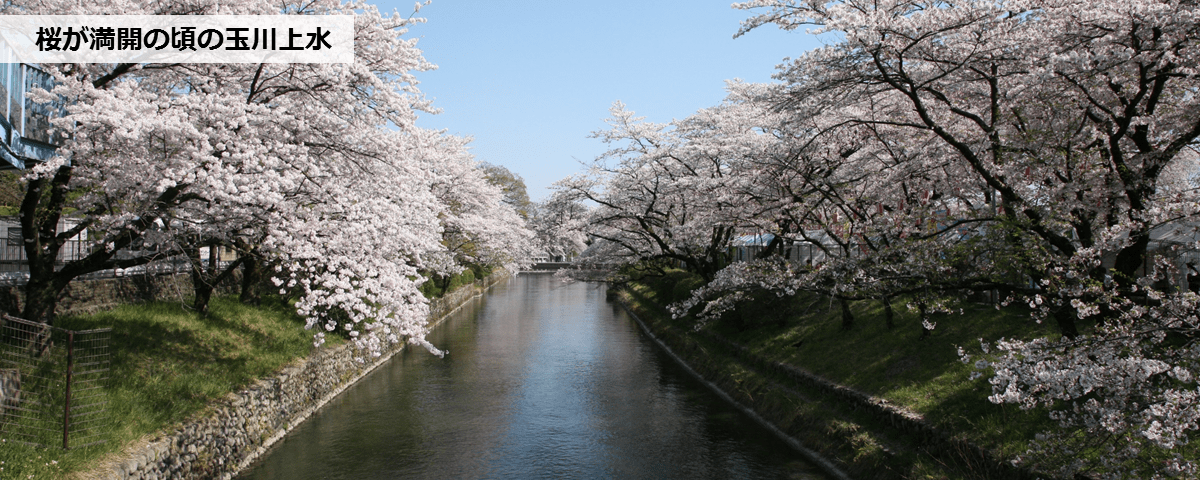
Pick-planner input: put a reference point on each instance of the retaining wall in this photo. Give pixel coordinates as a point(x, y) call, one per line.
point(240, 427)
point(929, 440)
point(89, 296)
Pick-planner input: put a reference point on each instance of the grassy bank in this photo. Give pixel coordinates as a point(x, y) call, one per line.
point(916, 372)
point(168, 363)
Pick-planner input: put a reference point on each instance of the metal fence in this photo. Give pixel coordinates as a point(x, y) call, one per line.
point(12, 251)
point(52, 383)
point(167, 266)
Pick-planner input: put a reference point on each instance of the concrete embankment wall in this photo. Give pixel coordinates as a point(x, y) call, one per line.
point(925, 439)
point(240, 427)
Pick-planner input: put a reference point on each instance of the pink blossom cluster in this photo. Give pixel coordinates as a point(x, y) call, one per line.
point(1045, 151)
point(316, 169)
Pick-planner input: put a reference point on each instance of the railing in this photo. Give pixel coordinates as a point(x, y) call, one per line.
point(800, 253)
point(12, 253)
point(14, 268)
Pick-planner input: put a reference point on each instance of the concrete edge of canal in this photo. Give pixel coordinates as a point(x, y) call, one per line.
point(815, 458)
point(245, 424)
point(891, 423)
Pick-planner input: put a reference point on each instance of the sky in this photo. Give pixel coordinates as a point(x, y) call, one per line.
point(529, 81)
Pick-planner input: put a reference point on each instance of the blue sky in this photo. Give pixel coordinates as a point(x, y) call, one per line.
point(530, 80)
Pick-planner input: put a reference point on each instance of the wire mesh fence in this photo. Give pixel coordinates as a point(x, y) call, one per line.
point(52, 383)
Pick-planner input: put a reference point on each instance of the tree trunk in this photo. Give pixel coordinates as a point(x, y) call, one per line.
point(1129, 260)
point(203, 296)
point(888, 315)
point(847, 317)
point(201, 286)
point(41, 299)
point(205, 279)
point(925, 332)
point(251, 279)
point(41, 251)
point(1065, 316)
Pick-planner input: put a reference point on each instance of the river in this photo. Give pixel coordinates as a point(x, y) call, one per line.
point(543, 379)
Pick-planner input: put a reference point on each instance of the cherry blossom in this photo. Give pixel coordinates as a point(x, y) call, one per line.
point(316, 169)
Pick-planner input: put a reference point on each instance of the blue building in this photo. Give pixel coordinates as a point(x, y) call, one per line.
point(26, 135)
point(26, 138)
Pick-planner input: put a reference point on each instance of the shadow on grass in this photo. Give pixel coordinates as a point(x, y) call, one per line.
point(168, 362)
point(920, 372)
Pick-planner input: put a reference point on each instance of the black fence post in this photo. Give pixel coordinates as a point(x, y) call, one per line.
point(67, 404)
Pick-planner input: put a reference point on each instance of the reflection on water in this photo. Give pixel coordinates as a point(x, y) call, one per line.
point(543, 380)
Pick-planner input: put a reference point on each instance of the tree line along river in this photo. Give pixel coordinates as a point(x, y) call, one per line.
point(543, 379)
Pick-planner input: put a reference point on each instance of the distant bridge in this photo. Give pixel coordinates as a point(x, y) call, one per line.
point(550, 266)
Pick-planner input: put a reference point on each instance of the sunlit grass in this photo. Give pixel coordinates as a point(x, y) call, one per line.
point(167, 364)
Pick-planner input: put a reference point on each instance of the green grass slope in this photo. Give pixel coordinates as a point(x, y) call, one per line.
point(167, 364)
point(916, 372)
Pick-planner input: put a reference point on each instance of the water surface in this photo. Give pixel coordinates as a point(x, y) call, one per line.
point(543, 380)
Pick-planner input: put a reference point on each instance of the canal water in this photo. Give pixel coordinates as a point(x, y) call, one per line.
point(543, 379)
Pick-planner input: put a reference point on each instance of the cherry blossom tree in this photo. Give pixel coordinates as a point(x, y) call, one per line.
point(513, 186)
point(479, 224)
point(560, 226)
point(1031, 148)
point(819, 181)
point(661, 193)
point(1055, 126)
point(317, 169)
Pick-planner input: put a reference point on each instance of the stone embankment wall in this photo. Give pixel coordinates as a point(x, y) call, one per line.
point(90, 296)
point(240, 427)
